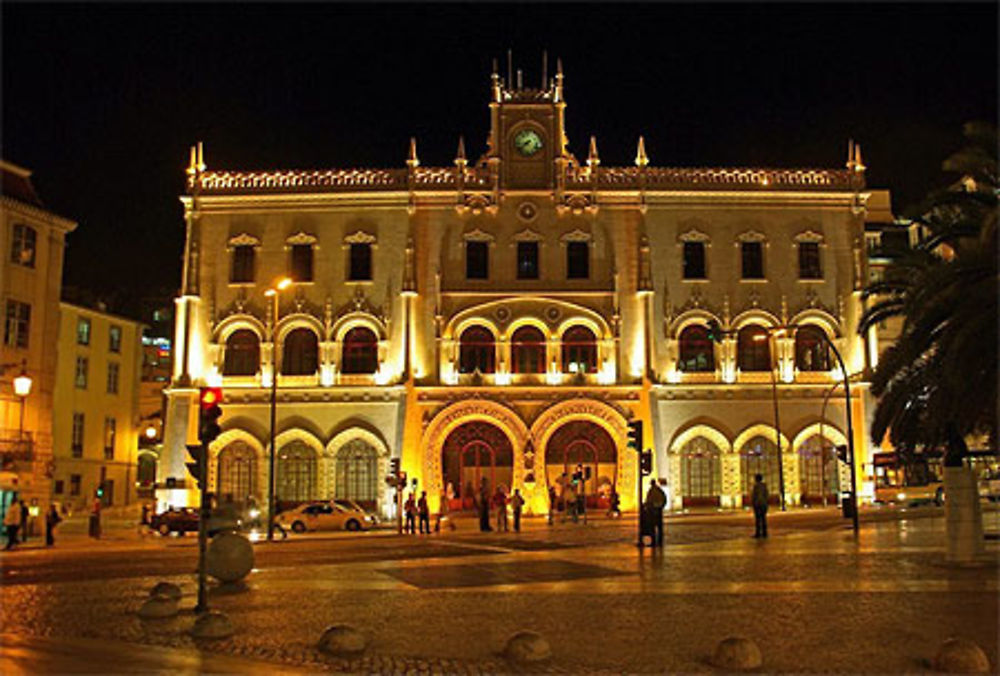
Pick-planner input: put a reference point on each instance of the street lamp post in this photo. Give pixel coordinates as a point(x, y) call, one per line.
point(280, 285)
point(22, 388)
point(774, 395)
point(850, 431)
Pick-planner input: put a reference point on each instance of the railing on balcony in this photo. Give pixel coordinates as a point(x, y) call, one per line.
point(16, 447)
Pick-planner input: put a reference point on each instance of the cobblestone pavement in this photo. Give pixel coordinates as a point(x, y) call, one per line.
point(815, 600)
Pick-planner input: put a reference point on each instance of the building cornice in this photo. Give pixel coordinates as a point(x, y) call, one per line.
point(30, 211)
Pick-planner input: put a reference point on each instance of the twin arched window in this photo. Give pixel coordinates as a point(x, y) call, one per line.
point(696, 350)
point(477, 351)
point(300, 353)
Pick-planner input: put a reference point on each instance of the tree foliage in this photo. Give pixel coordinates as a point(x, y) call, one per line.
point(939, 381)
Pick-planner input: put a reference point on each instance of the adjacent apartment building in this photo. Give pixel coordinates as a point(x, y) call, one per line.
point(97, 416)
point(31, 265)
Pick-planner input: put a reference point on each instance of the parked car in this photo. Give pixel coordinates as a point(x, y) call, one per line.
point(185, 520)
point(325, 516)
point(352, 505)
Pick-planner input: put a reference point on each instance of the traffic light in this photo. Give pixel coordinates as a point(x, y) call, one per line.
point(100, 490)
point(197, 464)
point(646, 463)
point(209, 413)
point(842, 453)
point(635, 435)
point(714, 331)
point(394, 467)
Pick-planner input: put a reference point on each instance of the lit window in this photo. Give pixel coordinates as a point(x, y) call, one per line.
point(82, 331)
point(115, 339)
point(81, 373)
point(811, 350)
point(753, 349)
point(110, 431)
point(18, 324)
point(696, 350)
point(22, 249)
point(579, 350)
point(528, 350)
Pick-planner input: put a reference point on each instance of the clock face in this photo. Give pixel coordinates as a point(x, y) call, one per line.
point(527, 142)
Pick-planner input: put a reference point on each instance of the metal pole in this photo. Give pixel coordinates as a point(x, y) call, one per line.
point(639, 503)
point(203, 515)
point(777, 426)
point(850, 433)
point(274, 408)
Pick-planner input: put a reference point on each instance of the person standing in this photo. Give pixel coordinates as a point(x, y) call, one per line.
point(25, 523)
point(517, 504)
point(500, 504)
point(552, 503)
point(759, 498)
point(12, 522)
point(614, 505)
point(95, 519)
point(424, 513)
point(484, 507)
point(52, 519)
point(656, 500)
point(569, 499)
point(410, 510)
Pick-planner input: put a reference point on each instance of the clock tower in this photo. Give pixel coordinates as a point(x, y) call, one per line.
point(527, 133)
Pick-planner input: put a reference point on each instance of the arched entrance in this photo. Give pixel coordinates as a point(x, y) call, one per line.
point(759, 455)
point(296, 477)
point(818, 475)
point(473, 451)
point(357, 473)
point(583, 445)
point(237, 472)
point(701, 473)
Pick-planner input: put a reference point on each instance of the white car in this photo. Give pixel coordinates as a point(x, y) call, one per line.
point(325, 516)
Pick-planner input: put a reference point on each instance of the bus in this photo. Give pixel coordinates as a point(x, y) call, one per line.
point(921, 480)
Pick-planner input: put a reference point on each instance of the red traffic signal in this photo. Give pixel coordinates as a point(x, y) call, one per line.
point(209, 397)
point(209, 413)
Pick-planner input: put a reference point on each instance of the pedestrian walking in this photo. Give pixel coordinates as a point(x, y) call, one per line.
point(517, 504)
point(410, 510)
point(500, 504)
point(759, 498)
point(25, 521)
point(569, 499)
point(552, 504)
point(12, 523)
point(52, 519)
point(656, 500)
point(95, 519)
point(424, 513)
point(484, 507)
point(614, 505)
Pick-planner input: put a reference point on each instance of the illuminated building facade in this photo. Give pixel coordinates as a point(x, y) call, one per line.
point(506, 317)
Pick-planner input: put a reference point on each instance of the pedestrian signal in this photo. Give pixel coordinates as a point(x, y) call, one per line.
point(646, 463)
point(209, 413)
point(197, 465)
point(635, 435)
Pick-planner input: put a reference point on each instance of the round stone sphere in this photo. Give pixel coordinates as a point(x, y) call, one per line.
point(158, 607)
point(229, 557)
point(212, 624)
point(961, 656)
point(527, 647)
point(342, 640)
point(737, 654)
point(168, 589)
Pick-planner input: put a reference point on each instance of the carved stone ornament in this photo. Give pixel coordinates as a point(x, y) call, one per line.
point(694, 235)
point(243, 239)
point(478, 235)
point(751, 236)
point(360, 237)
point(502, 313)
point(527, 211)
point(575, 236)
point(301, 237)
point(809, 236)
point(552, 314)
point(528, 235)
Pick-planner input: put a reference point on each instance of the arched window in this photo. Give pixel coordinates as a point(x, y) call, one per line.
point(528, 350)
point(754, 348)
point(818, 472)
point(701, 472)
point(579, 350)
point(811, 351)
point(300, 356)
point(357, 473)
point(242, 354)
point(296, 478)
point(696, 353)
point(759, 455)
point(477, 351)
point(237, 472)
point(360, 352)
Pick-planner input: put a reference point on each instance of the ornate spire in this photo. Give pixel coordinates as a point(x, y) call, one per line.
point(858, 164)
point(411, 160)
point(640, 155)
point(558, 94)
point(460, 160)
point(592, 159)
point(850, 154)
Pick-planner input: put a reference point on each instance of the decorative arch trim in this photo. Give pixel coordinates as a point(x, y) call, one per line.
point(528, 235)
point(755, 316)
point(694, 235)
point(299, 320)
point(750, 236)
point(356, 319)
point(243, 239)
point(234, 323)
point(687, 318)
point(301, 237)
point(478, 235)
point(820, 318)
point(808, 236)
point(568, 312)
point(475, 320)
point(576, 235)
point(831, 433)
point(235, 434)
point(596, 327)
point(760, 429)
point(521, 322)
point(352, 433)
point(360, 237)
point(706, 431)
point(298, 434)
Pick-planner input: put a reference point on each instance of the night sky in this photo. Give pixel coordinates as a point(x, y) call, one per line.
point(103, 101)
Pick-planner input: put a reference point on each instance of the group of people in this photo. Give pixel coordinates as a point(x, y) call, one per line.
point(498, 503)
point(417, 511)
point(16, 523)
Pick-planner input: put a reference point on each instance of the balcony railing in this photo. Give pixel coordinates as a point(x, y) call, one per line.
point(15, 447)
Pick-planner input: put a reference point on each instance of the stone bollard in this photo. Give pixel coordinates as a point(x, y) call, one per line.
point(158, 607)
point(960, 656)
point(527, 648)
point(737, 654)
point(963, 517)
point(168, 589)
point(212, 624)
point(229, 557)
point(342, 640)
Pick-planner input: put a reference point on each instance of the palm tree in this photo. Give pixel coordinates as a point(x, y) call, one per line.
point(938, 384)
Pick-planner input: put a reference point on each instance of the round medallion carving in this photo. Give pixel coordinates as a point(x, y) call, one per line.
point(502, 314)
point(527, 211)
point(552, 314)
